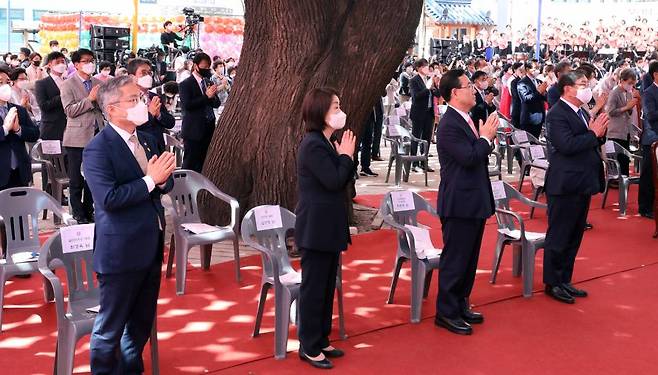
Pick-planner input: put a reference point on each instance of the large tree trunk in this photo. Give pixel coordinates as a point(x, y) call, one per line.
point(290, 47)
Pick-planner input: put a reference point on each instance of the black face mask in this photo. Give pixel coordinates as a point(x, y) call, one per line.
point(36, 63)
point(205, 73)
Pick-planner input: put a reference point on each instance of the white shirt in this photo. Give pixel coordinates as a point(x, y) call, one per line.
point(58, 80)
point(150, 184)
point(468, 120)
point(199, 80)
point(575, 109)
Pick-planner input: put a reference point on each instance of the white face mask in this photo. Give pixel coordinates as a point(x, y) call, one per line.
point(145, 82)
point(105, 73)
point(584, 95)
point(55, 49)
point(5, 92)
point(483, 85)
point(337, 120)
point(59, 68)
point(89, 68)
point(139, 114)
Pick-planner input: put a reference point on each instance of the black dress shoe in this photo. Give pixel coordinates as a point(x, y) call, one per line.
point(368, 172)
point(559, 294)
point(588, 226)
point(458, 326)
point(324, 364)
point(376, 158)
point(428, 169)
point(573, 291)
point(648, 215)
point(472, 317)
point(333, 353)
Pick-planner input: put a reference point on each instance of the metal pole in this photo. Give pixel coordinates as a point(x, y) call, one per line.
point(538, 44)
point(135, 25)
point(8, 26)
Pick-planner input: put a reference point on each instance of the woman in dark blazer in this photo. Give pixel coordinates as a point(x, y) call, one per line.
point(321, 229)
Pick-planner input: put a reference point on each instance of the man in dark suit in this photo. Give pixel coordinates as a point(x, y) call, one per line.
point(46, 91)
point(553, 94)
point(465, 200)
point(127, 173)
point(483, 101)
point(479, 45)
point(649, 135)
point(519, 73)
point(17, 128)
point(575, 173)
point(159, 118)
point(198, 98)
point(422, 89)
point(532, 96)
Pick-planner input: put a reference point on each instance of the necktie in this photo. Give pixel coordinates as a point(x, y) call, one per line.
point(140, 154)
point(429, 99)
point(472, 125)
point(87, 84)
point(581, 113)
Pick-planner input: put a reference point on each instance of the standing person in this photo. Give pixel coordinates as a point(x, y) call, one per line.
point(575, 173)
point(365, 145)
point(646, 195)
point(532, 96)
point(54, 46)
point(519, 73)
point(20, 95)
point(53, 118)
point(169, 39)
point(127, 173)
point(159, 118)
point(553, 94)
point(83, 120)
point(405, 78)
point(35, 72)
point(321, 229)
point(465, 200)
point(17, 128)
point(104, 71)
point(198, 98)
point(422, 88)
point(483, 101)
point(620, 108)
point(377, 133)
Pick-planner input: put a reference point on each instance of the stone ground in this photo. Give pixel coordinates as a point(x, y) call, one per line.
point(223, 252)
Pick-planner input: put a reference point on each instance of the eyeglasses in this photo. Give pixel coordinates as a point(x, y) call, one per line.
point(133, 101)
point(469, 86)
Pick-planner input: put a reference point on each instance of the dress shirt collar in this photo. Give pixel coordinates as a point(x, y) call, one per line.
point(123, 134)
point(575, 109)
point(466, 117)
point(655, 84)
point(77, 74)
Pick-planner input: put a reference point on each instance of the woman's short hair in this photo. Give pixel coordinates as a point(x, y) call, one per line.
point(317, 103)
point(627, 75)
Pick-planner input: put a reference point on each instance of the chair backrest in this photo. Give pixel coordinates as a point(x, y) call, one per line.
point(54, 162)
point(20, 208)
point(612, 149)
point(81, 280)
point(271, 243)
point(171, 141)
point(405, 217)
point(187, 185)
point(504, 221)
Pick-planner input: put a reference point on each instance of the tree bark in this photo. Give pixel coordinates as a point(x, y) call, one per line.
point(290, 47)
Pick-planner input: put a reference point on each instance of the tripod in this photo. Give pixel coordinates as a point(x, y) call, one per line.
point(191, 38)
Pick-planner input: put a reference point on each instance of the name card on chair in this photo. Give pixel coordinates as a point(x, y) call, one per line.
point(423, 243)
point(51, 147)
point(402, 201)
point(77, 238)
point(609, 147)
point(521, 136)
point(498, 189)
point(400, 111)
point(537, 152)
point(393, 120)
point(393, 131)
point(268, 217)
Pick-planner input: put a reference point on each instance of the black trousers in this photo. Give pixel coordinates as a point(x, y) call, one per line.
point(316, 299)
point(377, 131)
point(195, 153)
point(82, 204)
point(459, 260)
point(646, 194)
point(567, 216)
point(365, 145)
point(422, 128)
point(127, 310)
point(624, 161)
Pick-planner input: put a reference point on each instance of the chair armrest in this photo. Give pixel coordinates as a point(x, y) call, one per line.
point(529, 202)
point(54, 281)
point(516, 216)
point(235, 206)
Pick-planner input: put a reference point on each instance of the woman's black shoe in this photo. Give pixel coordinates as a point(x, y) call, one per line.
point(324, 364)
point(333, 353)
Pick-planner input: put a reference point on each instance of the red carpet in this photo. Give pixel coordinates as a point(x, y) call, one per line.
point(209, 328)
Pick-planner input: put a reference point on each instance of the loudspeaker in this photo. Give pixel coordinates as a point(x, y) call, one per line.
point(105, 56)
point(109, 32)
point(109, 44)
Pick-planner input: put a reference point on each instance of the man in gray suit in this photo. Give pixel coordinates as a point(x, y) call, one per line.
point(83, 120)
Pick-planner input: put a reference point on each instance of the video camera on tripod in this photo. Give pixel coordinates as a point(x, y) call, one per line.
point(191, 19)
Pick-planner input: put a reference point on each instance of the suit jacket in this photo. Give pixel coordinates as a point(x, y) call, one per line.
point(650, 109)
point(575, 165)
point(53, 118)
point(478, 46)
point(465, 188)
point(82, 114)
point(127, 215)
point(422, 105)
point(516, 102)
point(16, 143)
point(552, 95)
point(198, 116)
point(532, 104)
point(647, 81)
point(156, 126)
point(620, 126)
point(481, 110)
point(321, 211)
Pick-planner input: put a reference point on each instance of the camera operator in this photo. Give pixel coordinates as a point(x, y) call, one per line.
point(168, 38)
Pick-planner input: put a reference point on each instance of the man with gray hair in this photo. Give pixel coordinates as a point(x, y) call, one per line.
point(127, 172)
